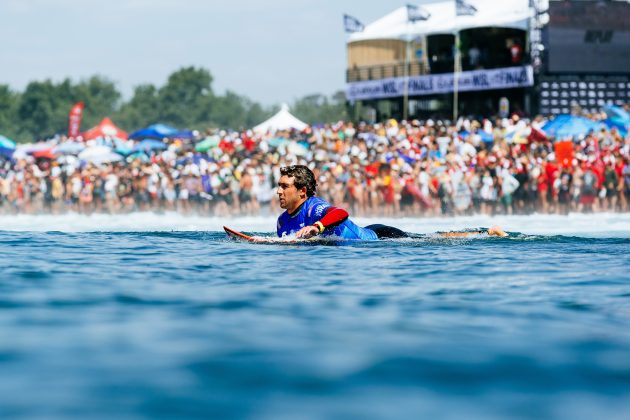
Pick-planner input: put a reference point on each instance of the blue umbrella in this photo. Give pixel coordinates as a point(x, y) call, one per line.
point(277, 141)
point(617, 113)
point(123, 151)
point(6, 142)
point(156, 131)
point(69, 148)
point(566, 126)
point(138, 155)
point(7, 147)
point(614, 123)
point(149, 145)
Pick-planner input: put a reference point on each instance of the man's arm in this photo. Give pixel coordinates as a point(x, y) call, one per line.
point(333, 217)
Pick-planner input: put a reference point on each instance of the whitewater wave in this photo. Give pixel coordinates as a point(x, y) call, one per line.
point(575, 224)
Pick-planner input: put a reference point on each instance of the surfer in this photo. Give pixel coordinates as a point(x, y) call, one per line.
point(307, 215)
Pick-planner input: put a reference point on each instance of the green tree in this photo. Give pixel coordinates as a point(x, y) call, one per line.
point(101, 99)
point(318, 108)
point(37, 110)
point(187, 98)
point(143, 108)
point(9, 122)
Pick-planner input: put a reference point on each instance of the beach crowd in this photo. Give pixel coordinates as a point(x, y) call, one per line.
point(394, 168)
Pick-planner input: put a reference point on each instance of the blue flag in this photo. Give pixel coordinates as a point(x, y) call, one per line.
point(415, 13)
point(352, 24)
point(464, 9)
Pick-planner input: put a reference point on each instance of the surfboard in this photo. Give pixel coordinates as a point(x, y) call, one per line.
point(243, 237)
point(240, 236)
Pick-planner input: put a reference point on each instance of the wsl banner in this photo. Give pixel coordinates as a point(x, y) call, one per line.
point(504, 78)
point(74, 119)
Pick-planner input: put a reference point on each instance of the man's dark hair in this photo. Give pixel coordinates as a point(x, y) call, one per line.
point(302, 177)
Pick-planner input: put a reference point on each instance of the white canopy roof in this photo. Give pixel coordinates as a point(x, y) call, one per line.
point(490, 13)
point(283, 120)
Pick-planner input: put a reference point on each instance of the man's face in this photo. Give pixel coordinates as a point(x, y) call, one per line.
point(290, 197)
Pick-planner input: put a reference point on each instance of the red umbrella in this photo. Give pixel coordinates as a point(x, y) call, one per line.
point(44, 154)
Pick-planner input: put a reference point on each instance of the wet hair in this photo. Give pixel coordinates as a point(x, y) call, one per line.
point(302, 177)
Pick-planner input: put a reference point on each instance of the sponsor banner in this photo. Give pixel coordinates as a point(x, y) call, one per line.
point(504, 78)
point(74, 119)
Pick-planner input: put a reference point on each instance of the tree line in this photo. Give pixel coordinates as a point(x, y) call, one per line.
point(185, 101)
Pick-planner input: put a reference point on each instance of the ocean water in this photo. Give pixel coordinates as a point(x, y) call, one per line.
point(160, 316)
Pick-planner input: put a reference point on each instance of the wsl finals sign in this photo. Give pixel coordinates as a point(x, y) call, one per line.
point(504, 78)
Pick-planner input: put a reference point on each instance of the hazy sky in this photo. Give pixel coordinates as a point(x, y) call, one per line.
point(272, 51)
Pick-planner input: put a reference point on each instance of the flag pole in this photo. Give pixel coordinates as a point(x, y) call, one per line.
point(456, 69)
point(406, 74)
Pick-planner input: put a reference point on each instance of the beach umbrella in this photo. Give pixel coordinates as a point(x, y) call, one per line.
point(149, 145)
point(277, 141)
point(7, 143)
point(614, 123)
point(124, 151)
point(96, 153)
point(69, 148)
point(208, 143)
point(297, 149)
point(104, 158)
point(617, 113)
point(138, 155)
point(7, 147)
point(99, 155)
point(44, 154)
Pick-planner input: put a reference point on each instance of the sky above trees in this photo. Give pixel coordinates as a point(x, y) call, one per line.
point(271, 51)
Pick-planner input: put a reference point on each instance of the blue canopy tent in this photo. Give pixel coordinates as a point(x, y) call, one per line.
point(569, 126)
point(155, 131)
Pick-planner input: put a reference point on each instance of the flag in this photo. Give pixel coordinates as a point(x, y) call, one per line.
point(415, 13)
point(74, 119)
point(464, 9)
point(352, 24)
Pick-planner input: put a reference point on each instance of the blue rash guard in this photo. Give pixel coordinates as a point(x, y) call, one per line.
point(311, 211)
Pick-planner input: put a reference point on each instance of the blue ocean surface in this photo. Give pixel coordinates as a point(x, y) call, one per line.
point(173, 324)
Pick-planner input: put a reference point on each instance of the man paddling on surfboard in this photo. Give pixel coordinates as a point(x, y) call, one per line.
point(307, 215)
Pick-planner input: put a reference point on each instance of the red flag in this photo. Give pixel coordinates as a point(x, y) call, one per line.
point(74, 119)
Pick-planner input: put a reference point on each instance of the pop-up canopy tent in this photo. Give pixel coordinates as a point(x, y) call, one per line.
point(443, 20)
point(105, 128)
point(283, 120)
point(160, 131)
point(155, 131)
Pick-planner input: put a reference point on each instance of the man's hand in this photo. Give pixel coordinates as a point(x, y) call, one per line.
point(307, 232)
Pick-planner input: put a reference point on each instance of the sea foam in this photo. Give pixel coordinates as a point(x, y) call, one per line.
point(574, 224)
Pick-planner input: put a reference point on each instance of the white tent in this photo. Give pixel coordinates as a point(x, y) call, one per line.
point(442, 20)
point(283, 120)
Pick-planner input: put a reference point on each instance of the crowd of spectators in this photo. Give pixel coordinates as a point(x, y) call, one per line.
point(408, 168)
